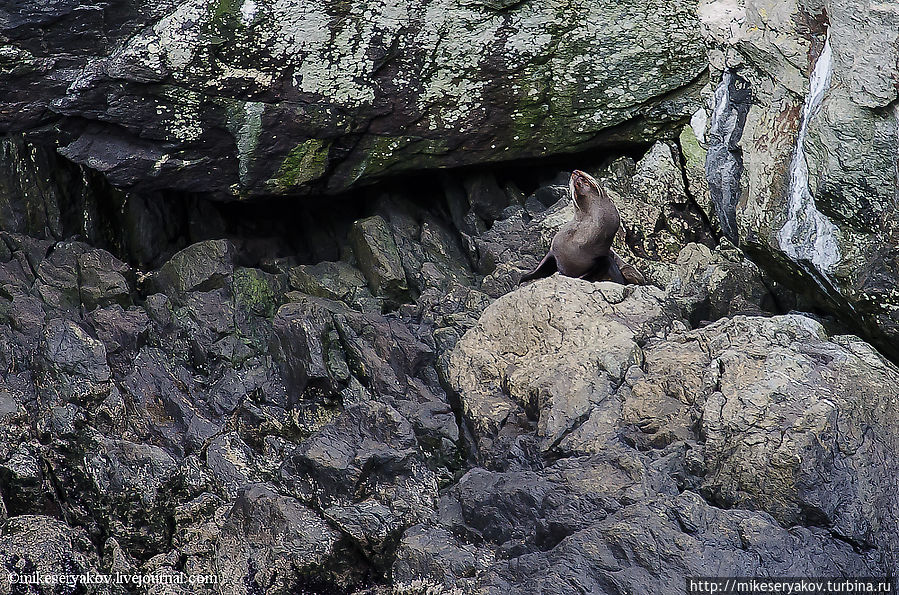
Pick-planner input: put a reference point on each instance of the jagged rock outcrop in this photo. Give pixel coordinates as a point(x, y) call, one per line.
point(804, 145)
point(354, 411)
point(766, 428)
point(270, 97)
point(558, 372)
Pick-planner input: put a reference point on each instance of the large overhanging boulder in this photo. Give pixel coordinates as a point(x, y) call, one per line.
point(261, 97)
point(804, 145)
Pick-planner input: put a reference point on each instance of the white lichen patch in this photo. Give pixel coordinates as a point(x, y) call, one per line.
point(142, 58)
point(566, 68)
point(331, 56)
point(249, 77)
point(181, 114)
point(248, 12)
point(459, 37)
point(700, 123)
point(179, 34)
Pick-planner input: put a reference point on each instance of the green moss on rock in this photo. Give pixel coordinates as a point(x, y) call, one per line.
point(224, 10)
point(693, 152)
point(307, 162)
point(254, 292)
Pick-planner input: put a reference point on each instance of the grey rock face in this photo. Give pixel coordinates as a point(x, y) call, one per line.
point(40, 544)
point(800, 482)
point(265, 98)
point(561, 372)
point(817, 199)
point(749, 397)
point(267, 540)
point(102, 279)
point(28, 201)
point(379, 259)
point(335, 281)
point(711, 284)
point(70, 350)
point(204, 266)
point(367, 417)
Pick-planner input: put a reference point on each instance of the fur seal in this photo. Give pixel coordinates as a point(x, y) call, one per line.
point(583, 247)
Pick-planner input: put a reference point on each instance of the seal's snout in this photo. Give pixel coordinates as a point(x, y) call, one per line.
point(584, 189)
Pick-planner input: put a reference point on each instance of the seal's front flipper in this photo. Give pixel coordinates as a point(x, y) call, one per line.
point(629, 273)
point(547, 267)
point(612, 268)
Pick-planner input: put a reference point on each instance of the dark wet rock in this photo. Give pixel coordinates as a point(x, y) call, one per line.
point(449, 313)
point(14, 272)
point(379, 259)
point(102, 280)
point(205, 266)
point(57, 281)
point(525, 511)
point(269, 543)
point(510, 241)
point(159, 308)
point(430, 251)
point(24, 313)
point(169, 408)
point(132, 486)
point(651, 548)
point(121, 331)
point(337, 281)
point(432, 557)
point(302, 339)
point(69, 350)
point(550, 194)
point(203, 319)
point(28, 250)
point(331, 355)
point(328, 466)
point(485, 196)
point(37, 187)
point(23, 479)
point(231, 464)
point(40, 544)
point(372, 526)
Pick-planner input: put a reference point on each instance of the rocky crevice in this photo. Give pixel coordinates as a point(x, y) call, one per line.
point(253, 377)
point(351, 393)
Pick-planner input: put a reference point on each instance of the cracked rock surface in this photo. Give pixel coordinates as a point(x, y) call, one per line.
point(820, 212)
point(402, 417)
point(247, 97)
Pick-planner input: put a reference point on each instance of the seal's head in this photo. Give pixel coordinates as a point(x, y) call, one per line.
point(586, 191)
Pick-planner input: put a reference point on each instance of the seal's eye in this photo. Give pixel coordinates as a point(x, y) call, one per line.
point(583, 192)
point(584, 187)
